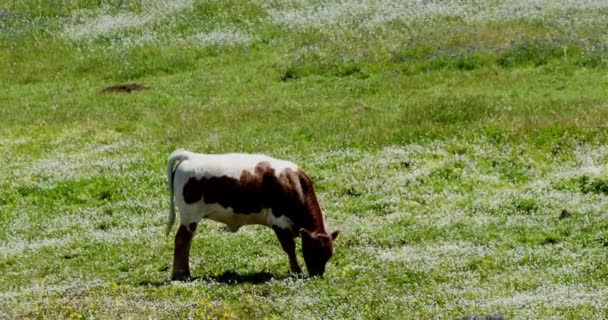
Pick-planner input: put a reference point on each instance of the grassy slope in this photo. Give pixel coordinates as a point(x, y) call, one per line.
point(445, 149)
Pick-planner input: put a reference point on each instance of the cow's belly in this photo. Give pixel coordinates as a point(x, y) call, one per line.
point(236, 220)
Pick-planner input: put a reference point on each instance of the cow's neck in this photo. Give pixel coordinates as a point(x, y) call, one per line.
point(314, 221)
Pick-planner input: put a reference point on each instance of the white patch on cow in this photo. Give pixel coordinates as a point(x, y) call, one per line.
point(228, 165)
point(282, 222)
point(198, 211)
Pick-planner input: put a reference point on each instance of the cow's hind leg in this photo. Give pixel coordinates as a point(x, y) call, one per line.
point(289, 245)
point(183, 240)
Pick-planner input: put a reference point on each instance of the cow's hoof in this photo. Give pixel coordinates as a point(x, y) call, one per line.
point(181, 277)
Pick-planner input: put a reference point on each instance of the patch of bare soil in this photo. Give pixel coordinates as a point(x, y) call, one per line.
point(124, 88)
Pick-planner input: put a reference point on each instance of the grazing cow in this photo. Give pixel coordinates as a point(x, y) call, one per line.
point(241, 189)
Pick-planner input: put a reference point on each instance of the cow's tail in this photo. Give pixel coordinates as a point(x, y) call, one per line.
point(173, 162)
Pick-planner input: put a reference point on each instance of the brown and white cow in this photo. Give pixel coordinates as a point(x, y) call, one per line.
point(240, 189)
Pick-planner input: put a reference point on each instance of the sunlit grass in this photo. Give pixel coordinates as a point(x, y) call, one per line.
point(458, 146)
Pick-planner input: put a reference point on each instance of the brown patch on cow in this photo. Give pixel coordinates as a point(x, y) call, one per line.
point(124, 88)
point(290, 194)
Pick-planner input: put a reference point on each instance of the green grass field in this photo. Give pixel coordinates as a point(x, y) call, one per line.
point(460, 147)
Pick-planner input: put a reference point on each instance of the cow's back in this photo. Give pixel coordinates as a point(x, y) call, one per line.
point(231, 164)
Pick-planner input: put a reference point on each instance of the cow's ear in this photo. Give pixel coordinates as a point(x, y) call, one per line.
point(306, 233)
point(335, 234)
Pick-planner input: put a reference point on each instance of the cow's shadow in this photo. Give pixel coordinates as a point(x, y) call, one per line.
point(233, 277)
point(229, 277)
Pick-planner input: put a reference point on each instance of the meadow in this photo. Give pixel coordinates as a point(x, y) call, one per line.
point(459, 146)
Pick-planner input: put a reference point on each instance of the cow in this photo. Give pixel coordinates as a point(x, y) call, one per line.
point(240, 189)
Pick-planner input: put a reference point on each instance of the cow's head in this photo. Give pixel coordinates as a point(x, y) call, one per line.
point(317, 249)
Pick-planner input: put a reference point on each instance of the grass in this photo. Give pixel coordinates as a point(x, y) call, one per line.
point(446, 140)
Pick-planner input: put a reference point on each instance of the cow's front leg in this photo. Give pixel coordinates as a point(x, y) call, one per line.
point(286, 239)
point(183, 240)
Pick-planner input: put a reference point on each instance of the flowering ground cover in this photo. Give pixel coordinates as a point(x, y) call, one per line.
point(460, 147)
